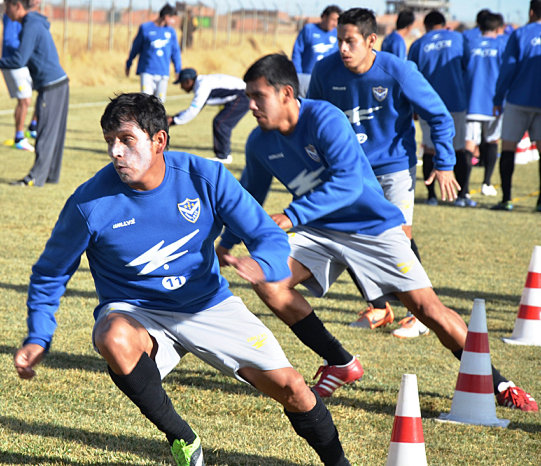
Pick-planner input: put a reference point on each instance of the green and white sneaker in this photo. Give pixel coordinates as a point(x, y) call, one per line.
point(188, 455)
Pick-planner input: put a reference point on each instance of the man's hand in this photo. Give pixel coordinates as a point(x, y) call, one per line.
point(127, 71)
point(169, 120)
point(282, 220)
point(247, 268)
point(449, 186)
point(221, 252)
point(26, 358)
point(497, 110)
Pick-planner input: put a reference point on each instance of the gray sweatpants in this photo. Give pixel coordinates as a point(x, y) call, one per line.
point(52, 114)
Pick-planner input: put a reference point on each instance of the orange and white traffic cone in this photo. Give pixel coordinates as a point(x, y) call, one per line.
point(473, 401)
point(407, 441)
point(527, 329)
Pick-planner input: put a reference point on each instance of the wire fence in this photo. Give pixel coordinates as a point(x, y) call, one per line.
point(197, 23)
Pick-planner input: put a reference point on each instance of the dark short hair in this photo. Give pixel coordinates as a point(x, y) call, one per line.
point(168, 10)
point(331, 9)
point(535, 7)
point(491, 22)
point(480, 14)
point(27, 4)
point(434, 18)
point(277, 69)
point(363, 18)
point(405, 18)
point(144, 109)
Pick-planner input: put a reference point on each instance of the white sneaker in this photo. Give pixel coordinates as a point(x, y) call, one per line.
point(23, 144)
point(227, 160)
point(410, 327)
point(488, 190)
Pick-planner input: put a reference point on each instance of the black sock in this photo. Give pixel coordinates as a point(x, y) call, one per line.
point(317, 428)
point(497, 378)
point(491, 157)
point(379, 303)
point(313, 334)
point(463, 171)
point(507, 167)
point(428, 166)
point(415, 249)
point(143, 386)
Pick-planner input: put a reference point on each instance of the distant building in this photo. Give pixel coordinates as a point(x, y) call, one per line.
point(418, 6)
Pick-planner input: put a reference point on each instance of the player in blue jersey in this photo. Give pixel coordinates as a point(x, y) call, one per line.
point(475, 32)
point(214, 89)
point(18, 82)
point(518, 86)
point(439, 54)
point(157, 46)
point(147, 223)
point(314, 42)
point(483, 60)
point(379, 94)
point(338, 219)
point(394, 43)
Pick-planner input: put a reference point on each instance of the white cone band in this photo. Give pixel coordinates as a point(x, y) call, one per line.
point(526, 332)
point(535, 262)
point(478, 321)
point(406, 454)
point(475, 363)
point(531, 297)
point(408, 397)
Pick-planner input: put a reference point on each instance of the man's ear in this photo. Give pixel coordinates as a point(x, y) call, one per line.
point(160, 140)
point(287, 91)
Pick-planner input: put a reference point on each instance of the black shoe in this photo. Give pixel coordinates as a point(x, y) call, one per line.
point(26, 181)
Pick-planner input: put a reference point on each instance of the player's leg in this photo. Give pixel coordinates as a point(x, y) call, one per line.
point(428, 161)
point(148, 83)
point(130, 351)
point(223, 125)
point(304, 409)
point(535, 135)
point(463, 164)
point(19, 85)
point(58, 133)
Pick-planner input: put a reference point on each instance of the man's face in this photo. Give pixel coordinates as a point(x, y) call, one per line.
point(13, 12)
point(135, 156)
point(187, 84)
point(266, 103)
point(170, 20)
point(355, 50)
point(329, 22)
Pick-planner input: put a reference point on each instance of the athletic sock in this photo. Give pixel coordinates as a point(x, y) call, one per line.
point(317, 428)
point(507, 167)
point(415, 249)
point(33, 125)
point(497, 378)
point(491, 157)
point(143, 386)
point(428, 166)
point(378, 303)
point(19, 135)
point(463, 171)
point(313, 334)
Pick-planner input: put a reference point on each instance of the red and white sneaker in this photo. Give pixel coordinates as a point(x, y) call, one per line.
point(333, 377)
point(515, 398)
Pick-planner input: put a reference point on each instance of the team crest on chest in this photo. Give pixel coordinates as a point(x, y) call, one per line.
point(312, 153)
point(380, 93)
point(190, 209)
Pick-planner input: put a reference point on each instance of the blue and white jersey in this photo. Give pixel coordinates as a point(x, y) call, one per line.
point(312, 44)
point(483, 60)
point(395, 44)
point(380, 105)
point(519, 79)
point(157, 47)
point(211, 89)
point(326, 171)
point(10, 39)
point(153, 249)
point(439, 54)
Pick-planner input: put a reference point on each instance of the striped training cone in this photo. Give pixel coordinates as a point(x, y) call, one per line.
point(473, 401)
point(527, 329)
point(407, 442)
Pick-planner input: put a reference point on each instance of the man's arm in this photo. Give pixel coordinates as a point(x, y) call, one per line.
point(507, 71)
point(136, 48)
point(202, 90)
point(298, 49)
point(175, 53)
point(21, 56)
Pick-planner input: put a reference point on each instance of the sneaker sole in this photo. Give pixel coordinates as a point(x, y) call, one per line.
point(403, 337)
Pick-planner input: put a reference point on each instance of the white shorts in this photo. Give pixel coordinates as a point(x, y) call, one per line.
point(19, 83)
point(489, 130)
point(381, 265)
point(517, 120)
point(304, 83)
point(399, 189)
point(459, 141)
point(226, 336)
point(154, 84)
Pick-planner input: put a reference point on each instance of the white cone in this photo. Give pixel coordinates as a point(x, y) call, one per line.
point(473, 401)
point(527, 329)
point(407, 441)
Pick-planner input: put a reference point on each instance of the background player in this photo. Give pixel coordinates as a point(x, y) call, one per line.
point(147, 222)
point(157, 46)
point(214, 89)
point(395, 42)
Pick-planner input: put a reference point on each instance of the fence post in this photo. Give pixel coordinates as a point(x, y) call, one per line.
point(65, 38)
point(130, 23)
point(90, 25)
point(112, 26)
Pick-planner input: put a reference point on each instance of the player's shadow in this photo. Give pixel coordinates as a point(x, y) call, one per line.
point(153, 450)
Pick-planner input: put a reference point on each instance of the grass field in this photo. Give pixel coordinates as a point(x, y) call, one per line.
point(71, 414)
